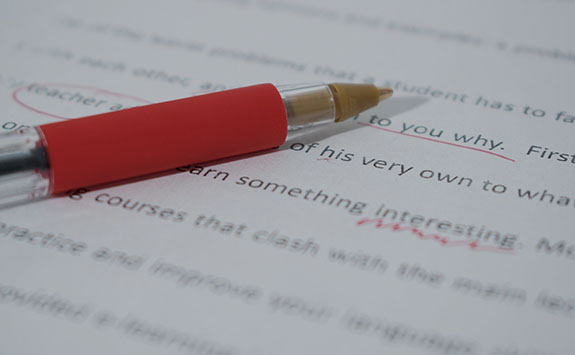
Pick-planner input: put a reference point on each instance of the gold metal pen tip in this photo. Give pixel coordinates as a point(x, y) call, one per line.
point(384, 93)
point(352, 99)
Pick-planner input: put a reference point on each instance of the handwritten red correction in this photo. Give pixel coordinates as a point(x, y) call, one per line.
point(65, 101)
point(442, 240)
point(437, 141)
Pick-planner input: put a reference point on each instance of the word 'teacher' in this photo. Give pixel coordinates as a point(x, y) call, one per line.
point(439, 222)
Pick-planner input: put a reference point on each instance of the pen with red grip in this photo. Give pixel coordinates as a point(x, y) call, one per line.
point(57, 157)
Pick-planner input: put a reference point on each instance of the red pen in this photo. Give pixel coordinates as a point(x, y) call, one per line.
point(54, 158)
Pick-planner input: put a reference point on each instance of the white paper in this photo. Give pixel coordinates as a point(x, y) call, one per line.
point(416, 233)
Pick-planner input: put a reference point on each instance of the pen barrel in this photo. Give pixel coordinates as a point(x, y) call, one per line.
point(308, 105)
point(24, 172)
point(143, 140)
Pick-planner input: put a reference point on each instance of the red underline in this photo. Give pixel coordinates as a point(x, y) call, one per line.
point(437, 141)
point(444, 241)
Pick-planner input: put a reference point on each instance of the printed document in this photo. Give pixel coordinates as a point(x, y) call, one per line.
point(439, 222)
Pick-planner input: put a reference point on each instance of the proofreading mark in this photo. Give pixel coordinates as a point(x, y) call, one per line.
point(444, 241)
point(329, 160)
point(437, 141)
point(65, 101)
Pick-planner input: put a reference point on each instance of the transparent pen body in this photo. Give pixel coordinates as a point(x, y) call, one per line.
point(24, 167)
point(308, 105)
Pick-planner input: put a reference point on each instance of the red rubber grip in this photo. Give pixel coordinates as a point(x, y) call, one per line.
point(143, 140)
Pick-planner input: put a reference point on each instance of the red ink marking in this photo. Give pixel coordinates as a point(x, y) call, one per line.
point(437, 141)
point(73, 86)
point(326, 159)
point(444, 241)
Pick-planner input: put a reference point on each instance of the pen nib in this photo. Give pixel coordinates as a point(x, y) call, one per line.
point(384, 93)
point(352, 99)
